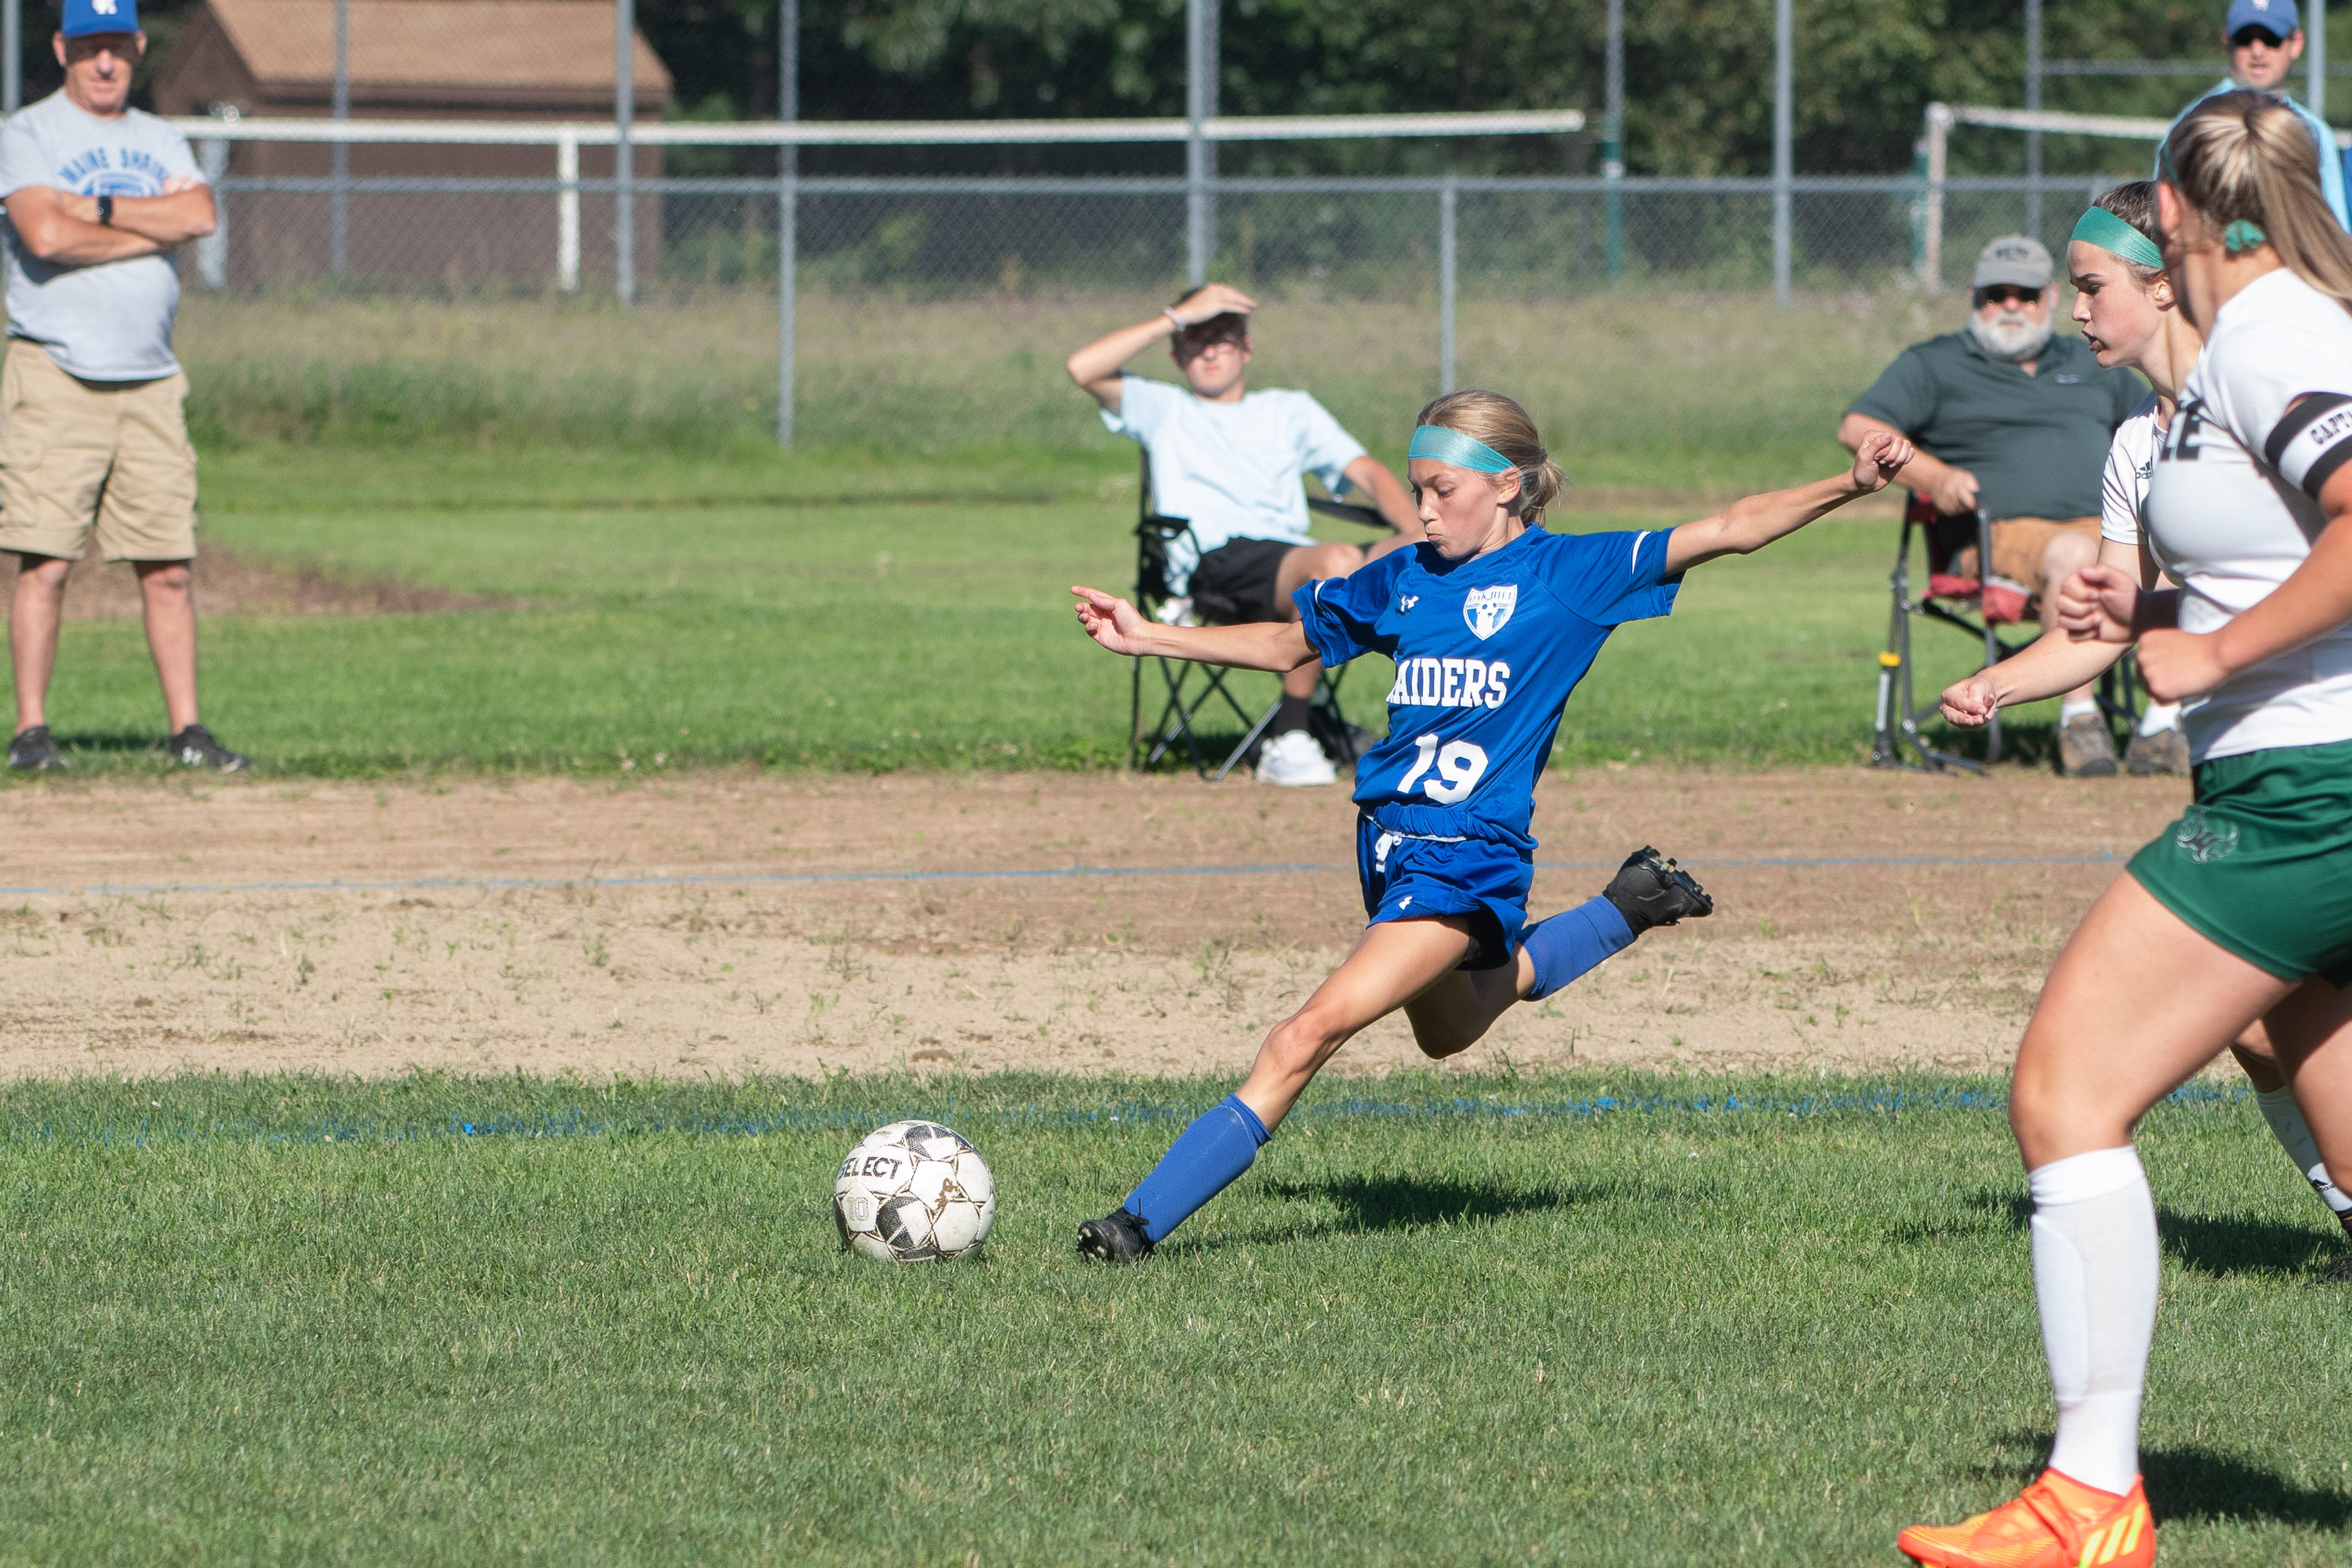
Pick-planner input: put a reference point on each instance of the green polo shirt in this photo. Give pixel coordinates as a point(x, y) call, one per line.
point(2037, 443)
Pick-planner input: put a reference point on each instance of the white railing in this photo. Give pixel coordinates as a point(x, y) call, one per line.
point(1942, 117)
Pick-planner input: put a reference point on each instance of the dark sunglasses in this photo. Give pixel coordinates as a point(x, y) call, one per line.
point(2248, 35)
point(2008, 294)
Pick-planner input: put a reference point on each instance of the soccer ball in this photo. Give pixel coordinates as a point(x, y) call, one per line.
point(913, 1192)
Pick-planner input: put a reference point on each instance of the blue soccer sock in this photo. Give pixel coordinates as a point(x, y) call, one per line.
point(1573, 942)
point(1203, 1162)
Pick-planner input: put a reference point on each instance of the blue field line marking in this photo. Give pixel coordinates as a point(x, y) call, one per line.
point(1051, 873)
point(572, 1121)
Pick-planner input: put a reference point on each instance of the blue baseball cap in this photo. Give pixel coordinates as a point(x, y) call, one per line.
point(84, 18)
point(2281, 19)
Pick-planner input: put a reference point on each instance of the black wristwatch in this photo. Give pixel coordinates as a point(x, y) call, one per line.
point(105, 211)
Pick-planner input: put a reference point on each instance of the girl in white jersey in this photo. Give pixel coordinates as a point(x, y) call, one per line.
point(2224, 917)
point(2125, 304)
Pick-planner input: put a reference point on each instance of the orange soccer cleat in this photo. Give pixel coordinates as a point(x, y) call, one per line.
point(2056, 1522)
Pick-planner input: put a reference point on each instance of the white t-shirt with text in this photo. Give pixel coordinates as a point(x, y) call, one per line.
point(2265, 421)
point(110, 320)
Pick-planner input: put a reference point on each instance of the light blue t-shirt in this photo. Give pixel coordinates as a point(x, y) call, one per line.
point(1231, 469)
point(110, 320)
point(2331, 157)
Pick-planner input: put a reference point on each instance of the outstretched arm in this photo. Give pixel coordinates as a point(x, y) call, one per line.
point(1748, 525)
point(1276, 646)
point(2057, 661)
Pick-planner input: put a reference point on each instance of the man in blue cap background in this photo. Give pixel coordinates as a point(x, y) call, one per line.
point(2265, 40)
point(92, 432)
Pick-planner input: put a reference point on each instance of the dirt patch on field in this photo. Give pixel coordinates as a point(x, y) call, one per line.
point(233, 586)
point(984, 922)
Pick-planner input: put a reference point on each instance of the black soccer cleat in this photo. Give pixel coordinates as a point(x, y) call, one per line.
point(1651, 889)
point(2337, 1273)
point(33, 751)
point(195, 747)
point(1117, 1237)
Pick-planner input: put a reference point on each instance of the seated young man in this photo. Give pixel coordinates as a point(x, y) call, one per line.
point(1231, 462)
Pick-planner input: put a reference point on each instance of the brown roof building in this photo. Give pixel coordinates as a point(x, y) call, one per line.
point(415, 59)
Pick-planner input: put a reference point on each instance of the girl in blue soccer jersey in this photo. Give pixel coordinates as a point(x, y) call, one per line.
point(1492, 621)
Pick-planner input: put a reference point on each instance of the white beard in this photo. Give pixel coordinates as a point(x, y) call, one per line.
point(2011, 336)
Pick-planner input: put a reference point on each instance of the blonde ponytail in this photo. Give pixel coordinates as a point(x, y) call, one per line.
point(2247, 158)
point(1502, 424)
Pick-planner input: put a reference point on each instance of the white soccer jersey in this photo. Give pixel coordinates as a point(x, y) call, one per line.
point(2131, 459)
point(2232, 505)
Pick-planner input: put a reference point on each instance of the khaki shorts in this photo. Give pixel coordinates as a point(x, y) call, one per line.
point(2019, 544)
point(109, 454)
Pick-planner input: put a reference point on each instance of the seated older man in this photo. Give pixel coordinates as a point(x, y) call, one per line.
point(2011, 418)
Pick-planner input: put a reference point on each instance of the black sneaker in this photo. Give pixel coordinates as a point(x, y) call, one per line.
point(1117, 1237)
point(195, 747)
point(2337, 1273)
point(1650, 889)
point(33, 752)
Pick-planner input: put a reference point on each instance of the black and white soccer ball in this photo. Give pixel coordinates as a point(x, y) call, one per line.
point(914, 1192)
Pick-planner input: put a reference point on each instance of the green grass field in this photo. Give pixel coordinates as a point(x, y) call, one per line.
point(1458, 1320)
point(841, 608)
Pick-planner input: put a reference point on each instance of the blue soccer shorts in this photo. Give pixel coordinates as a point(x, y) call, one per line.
point(1405, 879)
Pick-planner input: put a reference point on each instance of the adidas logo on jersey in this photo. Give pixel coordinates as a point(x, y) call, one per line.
point(1450, 683)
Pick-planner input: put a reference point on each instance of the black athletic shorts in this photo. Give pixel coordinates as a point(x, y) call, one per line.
point(1235, 585)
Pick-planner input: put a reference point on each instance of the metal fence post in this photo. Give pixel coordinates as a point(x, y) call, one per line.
point(1931, 262)
point(567, 211)
point(2315, 35)
point(12, 42)
point(1612, 145)
point(1784, 70)
point(624, 209)
point(338, 242)
point(1199, 215)
point(2033, 106)
point(788, 214)
point(1446, 277)
point(212, 251)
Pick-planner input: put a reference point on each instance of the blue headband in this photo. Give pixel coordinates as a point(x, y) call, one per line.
point(1438, 444)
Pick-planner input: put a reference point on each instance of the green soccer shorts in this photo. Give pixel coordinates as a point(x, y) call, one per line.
point(2263, 862)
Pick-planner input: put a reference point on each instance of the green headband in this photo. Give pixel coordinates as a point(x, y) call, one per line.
point(2103, 228)
point(1452, 447)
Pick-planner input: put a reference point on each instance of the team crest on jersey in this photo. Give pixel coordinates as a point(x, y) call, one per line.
point(1488, 610)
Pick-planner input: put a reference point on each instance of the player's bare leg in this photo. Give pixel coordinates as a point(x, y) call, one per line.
point(1393, 961)
point(2137, 1003)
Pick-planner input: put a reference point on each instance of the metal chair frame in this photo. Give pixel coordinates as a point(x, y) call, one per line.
point(1896, 729)
point(1186, 689)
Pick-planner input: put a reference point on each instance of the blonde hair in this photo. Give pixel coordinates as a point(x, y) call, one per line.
point(1502, 424)
point(2248, 157)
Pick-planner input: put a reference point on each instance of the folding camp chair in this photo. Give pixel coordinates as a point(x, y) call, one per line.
point(1949, 599)
point(1187, 689)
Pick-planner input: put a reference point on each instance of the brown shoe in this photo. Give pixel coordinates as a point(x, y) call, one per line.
point(2166, 751)
point(2085, 750)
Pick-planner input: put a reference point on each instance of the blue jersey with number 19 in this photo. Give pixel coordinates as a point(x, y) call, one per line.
point(1486, 650)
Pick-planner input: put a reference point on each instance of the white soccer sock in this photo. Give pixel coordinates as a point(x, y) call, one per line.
point(2095, 1279)
point(2076, 708)
point(2293, 1134)
point(2159, 717)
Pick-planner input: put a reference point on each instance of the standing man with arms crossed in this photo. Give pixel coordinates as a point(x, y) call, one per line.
point(91, 429)
point(2266, 39)
point(1230, 461)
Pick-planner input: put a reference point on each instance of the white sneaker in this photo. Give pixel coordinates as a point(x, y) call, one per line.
point(1292, 759)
